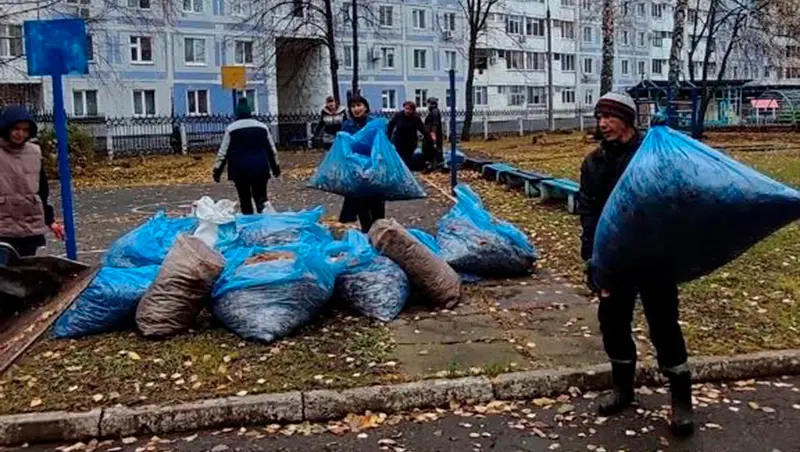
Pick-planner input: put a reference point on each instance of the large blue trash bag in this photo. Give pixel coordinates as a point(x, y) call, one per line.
point(684, 209)
point(149, 243)
point(372, 284)
point(430, 241)
point(473, 240)
point(285, 228)
point(266, 293)
point(109, 303)
point(366, 164)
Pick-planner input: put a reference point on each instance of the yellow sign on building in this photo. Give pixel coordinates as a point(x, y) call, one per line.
point(233, 77)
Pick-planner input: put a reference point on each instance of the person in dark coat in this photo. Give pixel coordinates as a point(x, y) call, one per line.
point(434, 143)
point(366, 210)
point(600, 172)
point(249, 152)
point(330, 123)
point(403, 130)
point(25, 215)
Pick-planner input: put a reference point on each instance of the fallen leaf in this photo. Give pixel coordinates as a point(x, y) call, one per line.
point(36, 402)
point(362, 436)
point(190, 438)
point(129, 440)
point(134, 356)
point(753, 405)
point(97, 397)
point(219, 448)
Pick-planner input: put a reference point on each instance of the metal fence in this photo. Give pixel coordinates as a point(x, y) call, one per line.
point(134, 136)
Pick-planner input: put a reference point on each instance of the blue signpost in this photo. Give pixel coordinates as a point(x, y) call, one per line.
point(453, 131)
point(56, 48)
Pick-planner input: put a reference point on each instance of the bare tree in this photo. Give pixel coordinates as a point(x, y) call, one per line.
point(477, 14)
point(607, 72)
point(676, 50)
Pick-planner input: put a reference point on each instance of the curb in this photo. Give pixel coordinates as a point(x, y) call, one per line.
point(321, 405)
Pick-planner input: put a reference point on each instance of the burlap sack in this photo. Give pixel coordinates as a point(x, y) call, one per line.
point(181, 289)
point(431, 275)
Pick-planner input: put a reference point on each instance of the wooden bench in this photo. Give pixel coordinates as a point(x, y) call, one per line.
point(531, 181)
point(560, 189)
point(495, 170)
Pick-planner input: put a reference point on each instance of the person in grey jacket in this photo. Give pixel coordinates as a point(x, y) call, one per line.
point(330, 123)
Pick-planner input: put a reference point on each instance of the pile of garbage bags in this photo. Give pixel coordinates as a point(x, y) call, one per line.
point(684, 209)
point(365, 165)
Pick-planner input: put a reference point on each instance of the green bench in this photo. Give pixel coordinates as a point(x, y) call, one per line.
point(560, 189)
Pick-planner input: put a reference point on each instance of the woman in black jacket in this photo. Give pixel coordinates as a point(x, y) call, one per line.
point(403, 130)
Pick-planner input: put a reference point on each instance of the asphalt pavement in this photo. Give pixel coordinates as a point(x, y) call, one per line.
point(747, 416)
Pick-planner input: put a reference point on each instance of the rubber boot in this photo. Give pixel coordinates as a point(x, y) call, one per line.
point(682, 421)
point(622, 396)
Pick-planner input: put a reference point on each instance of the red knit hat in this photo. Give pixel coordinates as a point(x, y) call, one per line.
point(618, 105)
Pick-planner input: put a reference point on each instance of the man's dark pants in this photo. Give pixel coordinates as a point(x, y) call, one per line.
point(249, 190)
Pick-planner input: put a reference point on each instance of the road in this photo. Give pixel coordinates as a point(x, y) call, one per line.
point(746, 416)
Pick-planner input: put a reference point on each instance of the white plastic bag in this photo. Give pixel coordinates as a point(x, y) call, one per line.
point(268, 208)
point(211, 215)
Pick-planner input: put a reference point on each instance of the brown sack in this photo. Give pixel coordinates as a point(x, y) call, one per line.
point(429, 273)
point(181, 289)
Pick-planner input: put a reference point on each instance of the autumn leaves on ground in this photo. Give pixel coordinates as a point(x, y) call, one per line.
point(751, 304)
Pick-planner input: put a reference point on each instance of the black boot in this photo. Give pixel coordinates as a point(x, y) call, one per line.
point(682, 421)
point(623, 375)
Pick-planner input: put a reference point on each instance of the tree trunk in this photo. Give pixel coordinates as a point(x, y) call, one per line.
point(705, 92)
point(675, 53)
point(355, 48)
point(330, 40)
point(469, 90)
point(607, 73)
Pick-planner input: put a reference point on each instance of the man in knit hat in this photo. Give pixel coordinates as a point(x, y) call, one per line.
point(249, 152)
point(658, 290)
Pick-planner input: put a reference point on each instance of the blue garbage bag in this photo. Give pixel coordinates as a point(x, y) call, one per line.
point(372, 284)
point(684, 209)
point(430, 241)
point(108, 304)
point(149, 243)
point(473, 240)
point(366, 165)
point(266, 293)
point(285, 228)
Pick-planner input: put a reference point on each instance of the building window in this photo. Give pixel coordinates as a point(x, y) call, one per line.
point(197, 102)
point(567, 30)
point(90, 47)
point(481, 95)
point(586, 5)
point(193, 6)
point(386, 16)
point(626, 38)
point(536, 95)
point(567, 62)
point(515, 59)
point(347, 52)
point(534, 27)
point(640, 10)
point(418, 19)
point(513, 25)
point(658, 38)
point(250, 95)
point(516, 96)
point(658, 10)
point(587, 34)
point(84, 103)
point(588, 97)
point(568, 2)
point(243, 52)
point(449, 21)
point(535, 61)
point(641, 38)
point(144, 102)
point(642, 68)
point(626, 67)
point(141, 49)
point(141, 4)
point(194, 51)
point(568, 96)
point(420, 59)
point(241, 8)
point(588, 65)
point(11, 41)
point(389, 99)
point(421, 97)
point(450, 60)
point(657, 66)
point(387, 57)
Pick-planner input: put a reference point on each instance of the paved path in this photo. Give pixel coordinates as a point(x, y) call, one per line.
point(738, 417)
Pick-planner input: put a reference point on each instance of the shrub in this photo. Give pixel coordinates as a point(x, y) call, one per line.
point(81, 151)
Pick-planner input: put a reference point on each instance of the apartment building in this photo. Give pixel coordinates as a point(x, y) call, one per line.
point(150, 60)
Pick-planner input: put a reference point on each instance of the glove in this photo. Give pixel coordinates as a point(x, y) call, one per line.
point(276, 171)
point(591, 277)
point(217, 174)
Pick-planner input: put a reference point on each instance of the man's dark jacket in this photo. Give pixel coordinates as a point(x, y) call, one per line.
point(600, 173)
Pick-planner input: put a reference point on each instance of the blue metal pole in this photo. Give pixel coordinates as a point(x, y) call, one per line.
point(235, 102)
point(453, 132)
point(694, 111)
point(60, 125)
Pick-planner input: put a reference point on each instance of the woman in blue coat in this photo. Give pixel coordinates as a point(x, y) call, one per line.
point(366, 210)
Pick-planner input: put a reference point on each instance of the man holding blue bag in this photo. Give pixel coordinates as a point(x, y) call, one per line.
point(600, 172)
